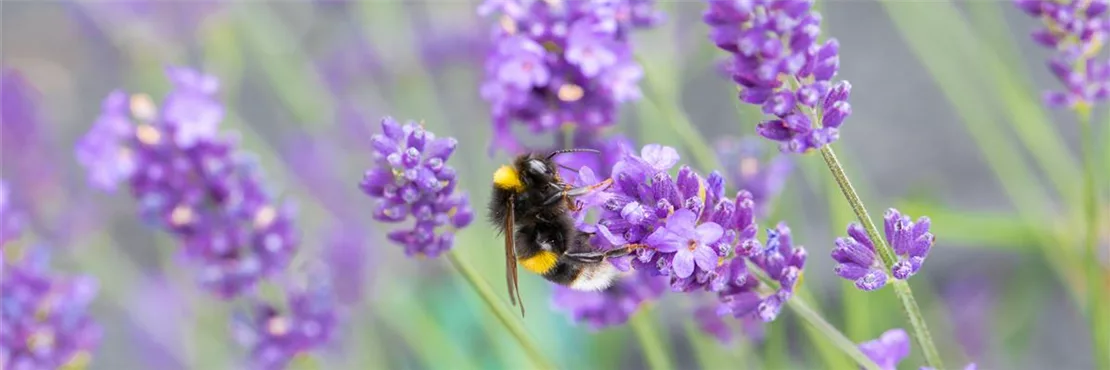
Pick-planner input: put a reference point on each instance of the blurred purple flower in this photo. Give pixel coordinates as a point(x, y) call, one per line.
point(411, 177)
point(275, 335)
point(557, 64)
point(1076, 30)
point(610, 307)
point(346, 65)
point(857, 260)
point(105, 150)
point(971, 304)
point(892, 347)
point(11, 220)
point(201, 190)
point(346, 254)
point(44, 319)
point(745, 166)
point(779, 65)
point(27, 146)
point(192, 107)
point(889, 349)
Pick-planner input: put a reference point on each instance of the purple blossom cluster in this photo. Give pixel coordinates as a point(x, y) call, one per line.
point(191, 182)
point(411, 179)
point(277, 335)
point(857, 259)
point(779, 65)
point(745, 166)
point(1076, 30)
point(44, 318)
point(689, 232)
point(610, 307)
point(560, 63)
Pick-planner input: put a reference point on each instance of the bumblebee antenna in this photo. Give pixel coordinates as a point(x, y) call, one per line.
point(577, 150)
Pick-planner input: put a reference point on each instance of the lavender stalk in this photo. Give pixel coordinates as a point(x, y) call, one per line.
point(888, 258)
point(779, 65)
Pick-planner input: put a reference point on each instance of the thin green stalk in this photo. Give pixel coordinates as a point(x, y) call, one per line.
point(799, 306)
point(1095, 293)
point(658, 357)
point(503, 314)
point(838, 339)
point(901, 288)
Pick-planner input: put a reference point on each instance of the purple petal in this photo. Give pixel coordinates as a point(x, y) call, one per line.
point(683, 263)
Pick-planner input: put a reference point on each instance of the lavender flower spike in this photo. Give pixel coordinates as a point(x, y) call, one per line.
point(410, 179)
point(191, 182)
point(276, 335)
point(1076, 30)
point(44, 321)
point(690, 232)
point(779, 65)
point(857, 260)
point(566, 63)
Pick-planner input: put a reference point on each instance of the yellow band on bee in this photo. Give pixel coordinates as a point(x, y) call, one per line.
point(507, 178)
point(540, 263)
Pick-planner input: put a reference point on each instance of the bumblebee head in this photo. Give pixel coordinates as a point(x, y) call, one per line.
point(526, 171)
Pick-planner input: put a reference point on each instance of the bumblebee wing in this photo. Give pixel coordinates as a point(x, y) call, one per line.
point(511, 278)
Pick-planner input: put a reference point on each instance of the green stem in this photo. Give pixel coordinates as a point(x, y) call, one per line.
point(814, 319)
point(650, 341)
point(838, 339)
point(1095, 300)
point(901, 288)
point(503, 314)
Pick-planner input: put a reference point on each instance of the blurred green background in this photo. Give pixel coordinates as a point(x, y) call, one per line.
point(947, 123)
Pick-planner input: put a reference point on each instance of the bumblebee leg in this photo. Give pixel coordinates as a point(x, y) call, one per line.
point(575, 192)
point(595, 256)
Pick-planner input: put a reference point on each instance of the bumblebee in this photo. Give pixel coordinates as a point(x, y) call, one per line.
point(530, 205)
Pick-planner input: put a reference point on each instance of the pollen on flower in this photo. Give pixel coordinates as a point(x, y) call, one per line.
point(277, 326)
point(181, 215)
point(143, 107)
point(570, 93)
point(264, 217)
point(147, 134)
point(508, 24)
point(41, 340)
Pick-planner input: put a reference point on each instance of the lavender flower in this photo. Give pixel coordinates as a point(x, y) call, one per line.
point(199, 189)
point(738, 288)
point(1076, 30)
point(889, 349)
point(105, 150)
point(276, 335)
point(410, 177)
point(44, 321)
point(565, 63)
point(610, 307)
point(745, 166)
point(857, 259)
point(779, 65)
point(11, 221)
point(691, 233)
